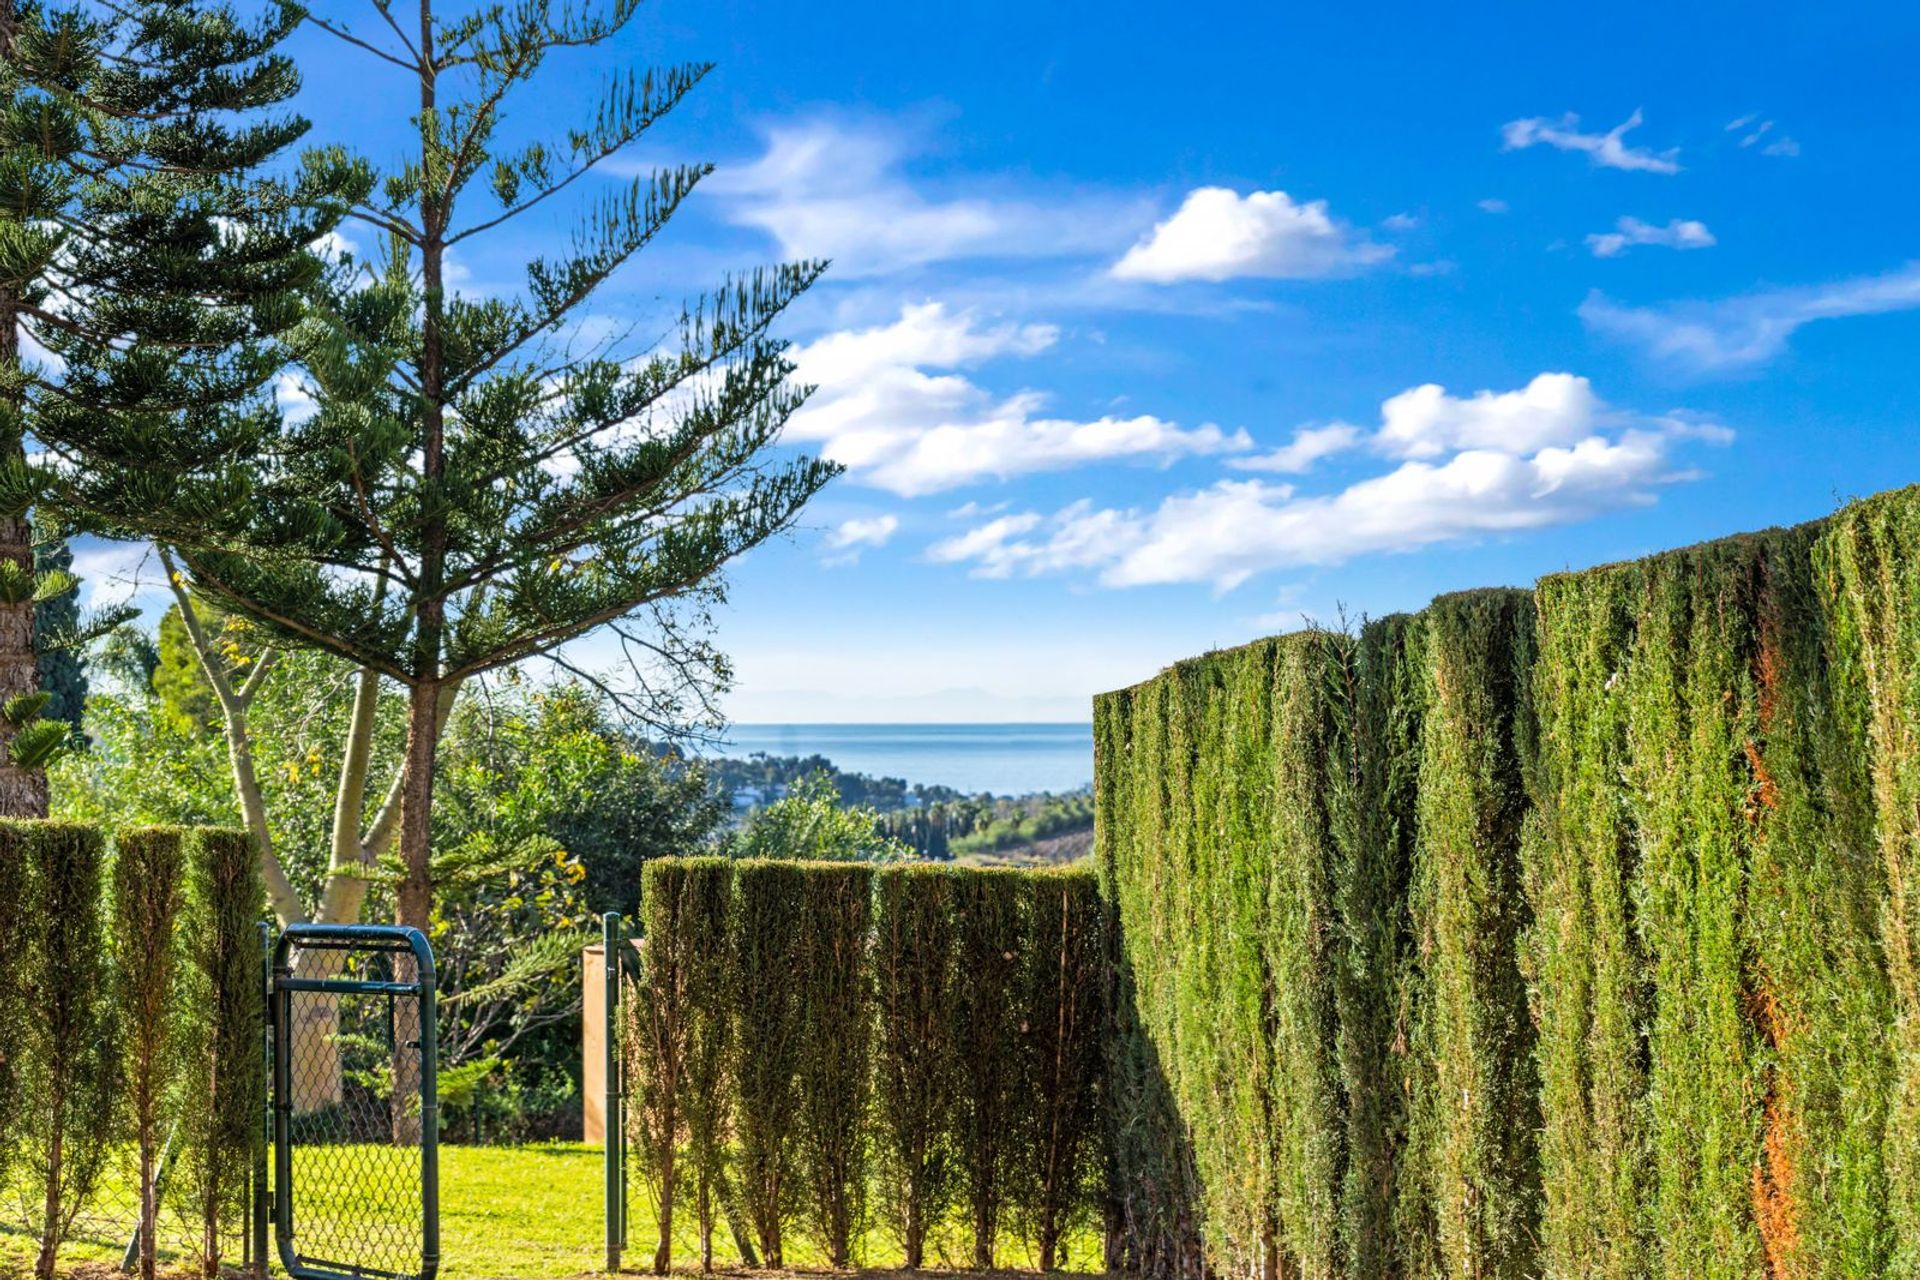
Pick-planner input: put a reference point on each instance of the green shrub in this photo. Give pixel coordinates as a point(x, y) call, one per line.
point(147, 891)
point(224, 1088)
point(1373, 773)
point(659, 1032)
point(1475, 1114)
point(1150, 1192)
point(836, 1017)
point(1216, 848)
point(916, 980)
point(13, 940)
point(1301, 951)
point(69, 1104)
point(706, 887)
point(991, 928)
point(1711, 1002)
point(1819, 990)
point(1584, 959)
point(767, 1027)
point(1063, 1003)
point(1868, 570)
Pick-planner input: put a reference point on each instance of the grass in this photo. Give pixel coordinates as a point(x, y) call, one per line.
point(534, 1213)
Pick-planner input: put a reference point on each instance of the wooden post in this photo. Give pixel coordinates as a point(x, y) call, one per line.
point(593, 1043)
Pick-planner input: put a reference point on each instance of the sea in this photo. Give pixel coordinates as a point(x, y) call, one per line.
point(1005, 759)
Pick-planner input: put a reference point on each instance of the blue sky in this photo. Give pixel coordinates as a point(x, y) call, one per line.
point(1153, 328)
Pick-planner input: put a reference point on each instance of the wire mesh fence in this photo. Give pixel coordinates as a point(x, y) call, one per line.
point(354, 1173)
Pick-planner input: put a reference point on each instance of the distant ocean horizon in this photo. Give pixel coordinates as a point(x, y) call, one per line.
point(1005, 759)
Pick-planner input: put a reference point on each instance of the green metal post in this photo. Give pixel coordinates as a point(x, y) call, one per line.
point(429, 1108)
point(614, 1122)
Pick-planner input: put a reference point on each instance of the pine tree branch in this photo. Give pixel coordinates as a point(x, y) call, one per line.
point(387, 222)
point(342, 33)
point(385, 10)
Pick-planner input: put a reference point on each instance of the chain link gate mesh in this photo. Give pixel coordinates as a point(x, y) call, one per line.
point(355, 1106)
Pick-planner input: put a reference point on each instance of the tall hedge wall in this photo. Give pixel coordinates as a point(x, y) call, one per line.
point(130, 994)
point(1568, 932)
point(917, 1048)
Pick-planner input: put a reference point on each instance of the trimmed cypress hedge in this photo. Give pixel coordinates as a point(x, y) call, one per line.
point(989, 928)
point(836, 1058)
point(1474, 1115)
point(1371, 793)
point(222, 1088)
point(659, 1034)
point(767, 1011)
point(13, 943)
point(1062, 1006)
point(130, 1004)
point(148, 888)
point(1569, 932)
point(70, 1110)
point(1867, 566)
point(705, 887)
point(917, 1048)
point(952, 1023)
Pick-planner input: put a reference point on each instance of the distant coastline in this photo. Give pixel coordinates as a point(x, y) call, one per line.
point(1009, 759)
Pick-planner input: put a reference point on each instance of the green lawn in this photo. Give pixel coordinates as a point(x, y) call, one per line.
point(511, 1213)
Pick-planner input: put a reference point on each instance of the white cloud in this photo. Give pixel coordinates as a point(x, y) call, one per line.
point(1426, 422)
point(1549, 454)
point(1218, 234)
point(849, 538)
point(898, 426)
point(1736, 333)
point(294, 397)
point(834, 189)
point(1308, 446)
point(1493, 204)
point(1754, 131)
point(1607, 150)
point(1680, 233)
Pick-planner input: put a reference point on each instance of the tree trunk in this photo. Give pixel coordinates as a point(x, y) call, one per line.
point(51, 1211)
point(149, 1195)
point(916, 1232)
point(663, 1251)
point(23, 792)
point(736, 1224)
point(415, 897)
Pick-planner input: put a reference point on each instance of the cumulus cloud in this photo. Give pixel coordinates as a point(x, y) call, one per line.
point(1551, 453)
point(1493, 204)
point(1680, 233)
point(1308, 446)
point(835, 188)
point(849, 538)
point(893, 406)
point(1218, 234)
point(1737, 333)
point(1607, 150)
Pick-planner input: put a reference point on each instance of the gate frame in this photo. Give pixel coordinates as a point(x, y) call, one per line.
point(349, 937)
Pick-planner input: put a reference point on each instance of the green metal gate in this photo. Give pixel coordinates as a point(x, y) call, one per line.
point(356, 1192)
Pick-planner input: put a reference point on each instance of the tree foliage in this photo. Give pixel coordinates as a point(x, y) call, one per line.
point(480, 480)
point(144, 275)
